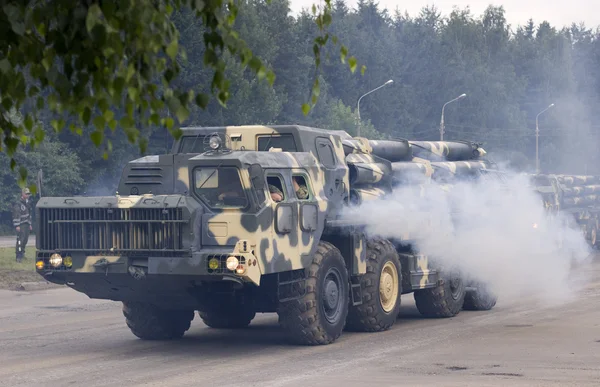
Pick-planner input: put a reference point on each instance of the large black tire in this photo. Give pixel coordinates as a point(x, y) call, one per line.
point(445, 300)
point(319, 316)
point(149, 322)
point(381, 290)
point(478, 297)
point(228, 318)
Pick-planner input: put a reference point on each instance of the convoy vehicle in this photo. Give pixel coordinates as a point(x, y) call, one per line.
point(198, 230)
point(578, 196)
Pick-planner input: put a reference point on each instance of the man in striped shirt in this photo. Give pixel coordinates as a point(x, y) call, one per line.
point(22, 223)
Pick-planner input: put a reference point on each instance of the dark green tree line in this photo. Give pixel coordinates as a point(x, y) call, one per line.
point(509, 73)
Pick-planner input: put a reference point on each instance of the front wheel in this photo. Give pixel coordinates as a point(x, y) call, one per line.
point(381, 289)
point(445, 300)
point(318, 317)
point(149, 322)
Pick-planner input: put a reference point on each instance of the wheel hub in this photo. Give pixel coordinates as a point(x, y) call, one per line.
point(332, 296)
point(388, 286)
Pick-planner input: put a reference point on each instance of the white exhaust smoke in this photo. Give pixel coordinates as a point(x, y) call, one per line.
point(492, 231)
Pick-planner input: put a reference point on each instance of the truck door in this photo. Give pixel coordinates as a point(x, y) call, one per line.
point(287, 248)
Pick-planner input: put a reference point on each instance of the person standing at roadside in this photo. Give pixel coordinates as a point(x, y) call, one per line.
point(22, 223)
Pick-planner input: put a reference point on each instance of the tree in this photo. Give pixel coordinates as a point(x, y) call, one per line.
point(81, 59)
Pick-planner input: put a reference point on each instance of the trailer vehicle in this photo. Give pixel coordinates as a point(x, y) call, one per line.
point(203, 229)
point(575, 195)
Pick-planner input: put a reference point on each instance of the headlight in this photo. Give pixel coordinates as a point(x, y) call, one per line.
point(68, 261)
point(214, 142)
point(232, 263)
point(55, 260)
point(213, 264)
point(535, 225)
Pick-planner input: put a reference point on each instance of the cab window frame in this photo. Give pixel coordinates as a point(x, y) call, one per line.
point(211, 204)
point(261, 136)
point(283, 187)
point(303, 174)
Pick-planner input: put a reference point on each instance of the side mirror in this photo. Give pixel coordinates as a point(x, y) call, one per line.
point(284, 219)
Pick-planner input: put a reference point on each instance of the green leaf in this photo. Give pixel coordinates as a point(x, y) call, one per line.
point(29, 122)
point(99, 122)
point(5, 66)
point(305, 109)
point(352, 63)
point(93, 17)
point(97, 137)
point(87, 115)
point(169, 122)
point(271, 77)
point(182, 113)
point(202, 100)
point(172, 49)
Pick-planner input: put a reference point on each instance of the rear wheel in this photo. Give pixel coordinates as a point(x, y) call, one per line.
point(381, 289)
point(227, 317)
point(149, 322)
point(479, 297)
point(445, 300)
point(318, 317)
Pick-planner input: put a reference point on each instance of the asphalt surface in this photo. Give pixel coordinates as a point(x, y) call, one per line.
point(62, 338)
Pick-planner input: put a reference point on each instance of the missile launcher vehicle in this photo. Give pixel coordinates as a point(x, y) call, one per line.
point(241, 220)
point(575, 195)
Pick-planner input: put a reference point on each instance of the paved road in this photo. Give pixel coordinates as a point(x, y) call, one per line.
point(60, 338)
point(9, 241)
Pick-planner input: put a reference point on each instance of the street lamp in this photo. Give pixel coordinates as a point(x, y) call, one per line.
point(364, 95)
point(537, 137)
point(442, 119)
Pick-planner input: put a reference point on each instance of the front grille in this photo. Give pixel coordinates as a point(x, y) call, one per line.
point(135, 231)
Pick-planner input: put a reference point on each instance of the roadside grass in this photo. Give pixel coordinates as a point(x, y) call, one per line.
point(12, 273)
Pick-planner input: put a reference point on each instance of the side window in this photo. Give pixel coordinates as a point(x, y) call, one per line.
point(284, 141)
point(276, 189)
point(325, 152)
point(301, 188)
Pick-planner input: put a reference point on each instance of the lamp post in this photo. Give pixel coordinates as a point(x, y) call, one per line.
point(364, 95)
point(537, 139)
point(442, 119)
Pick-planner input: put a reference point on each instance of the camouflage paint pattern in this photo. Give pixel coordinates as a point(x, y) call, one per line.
point(266, 237)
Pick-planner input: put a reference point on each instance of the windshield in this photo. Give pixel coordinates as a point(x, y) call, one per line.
point(220, 187)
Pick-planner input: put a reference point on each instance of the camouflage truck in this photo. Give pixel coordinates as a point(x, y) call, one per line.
point(575, 195)
point(203, 228)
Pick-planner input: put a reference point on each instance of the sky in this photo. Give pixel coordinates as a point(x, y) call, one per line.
point(557, 13)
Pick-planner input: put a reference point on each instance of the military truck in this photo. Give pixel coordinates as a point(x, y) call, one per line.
point(216, 226)
point(578, 196)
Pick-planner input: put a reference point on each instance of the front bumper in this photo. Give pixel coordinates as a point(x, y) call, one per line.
point(197, 266)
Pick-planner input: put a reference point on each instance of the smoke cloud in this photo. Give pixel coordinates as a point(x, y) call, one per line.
point(491, 230)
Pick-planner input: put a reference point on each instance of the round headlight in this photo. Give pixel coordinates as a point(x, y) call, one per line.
point(232, 263)
point(214, 142)
point(55, 260)
point(68, 261)
point(213, 264)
